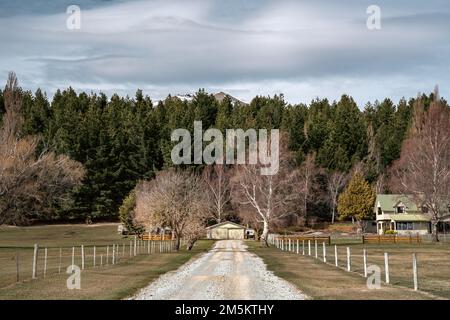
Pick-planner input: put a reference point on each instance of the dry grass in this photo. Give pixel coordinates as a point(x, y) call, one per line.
point(433, 264)
point(325, 281)
point(110, 282)
point(106, 282)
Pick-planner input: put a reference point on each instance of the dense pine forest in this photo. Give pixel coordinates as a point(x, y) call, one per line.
point(121, 140)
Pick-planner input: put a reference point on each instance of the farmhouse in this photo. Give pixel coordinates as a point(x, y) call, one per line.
point(226, 230)
point(401, 214)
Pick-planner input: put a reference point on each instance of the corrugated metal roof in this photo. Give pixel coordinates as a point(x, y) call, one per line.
point(410, 217)
point(226, 222)
point(388, 202)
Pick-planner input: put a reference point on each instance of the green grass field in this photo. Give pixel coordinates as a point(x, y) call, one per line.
point(107, 282)
point(325, 281)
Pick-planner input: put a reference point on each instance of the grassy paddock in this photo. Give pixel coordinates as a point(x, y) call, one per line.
point(111, 282)
point(324, 281)
point(107, 282)
point(59, 235)
point(20, 241)
point(433, 264)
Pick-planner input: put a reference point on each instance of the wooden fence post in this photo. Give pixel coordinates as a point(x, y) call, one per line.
point(82, 257)
point(324, 252)
point(349, 261)
point(114, 255)
point(303, 247)
point(45, 262)
point(297, 246)
point(309, 247)
point(35, 257)
point(17, 267)
point(415, 277)
point(386, 266)
point(315, 249)
point(60, 260)
point(131, 248)
point(336, 256)
point(73, 258)
point(365, 262)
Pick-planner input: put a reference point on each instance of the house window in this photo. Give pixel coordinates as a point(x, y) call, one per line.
point(400, 209)
point(381, 212)
point(405, 226)
point(424, 209)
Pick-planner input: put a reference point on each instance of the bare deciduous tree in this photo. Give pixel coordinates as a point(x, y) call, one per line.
point(271, 197)
point(308, 182)
point(335, 184)
point(174, 199)
point(423, 169)
point(30, 184)
point(219, 191)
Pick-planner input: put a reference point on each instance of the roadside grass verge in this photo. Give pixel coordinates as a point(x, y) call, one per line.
point(320, 280)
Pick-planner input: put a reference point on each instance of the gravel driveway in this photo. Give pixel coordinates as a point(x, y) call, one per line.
point(227, 272)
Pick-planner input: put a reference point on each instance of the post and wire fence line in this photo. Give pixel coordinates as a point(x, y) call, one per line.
point(348, 260)
point(23, 263)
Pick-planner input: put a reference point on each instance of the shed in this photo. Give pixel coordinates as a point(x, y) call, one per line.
point(226, 230)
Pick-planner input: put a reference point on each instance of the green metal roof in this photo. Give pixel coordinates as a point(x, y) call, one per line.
point(410, 217)
point(388, 202)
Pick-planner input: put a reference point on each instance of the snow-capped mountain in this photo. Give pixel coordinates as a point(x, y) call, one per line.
point(190, 96)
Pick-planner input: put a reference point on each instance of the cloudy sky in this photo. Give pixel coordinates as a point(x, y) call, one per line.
point(304, 49)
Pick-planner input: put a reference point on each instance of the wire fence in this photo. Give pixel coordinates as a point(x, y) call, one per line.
point(25, 263)
point(419, 267)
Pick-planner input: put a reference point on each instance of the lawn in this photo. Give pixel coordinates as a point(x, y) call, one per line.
point(324, 281)
point(103, 282)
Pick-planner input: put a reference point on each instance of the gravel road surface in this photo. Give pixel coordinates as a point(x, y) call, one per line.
point(226, 272)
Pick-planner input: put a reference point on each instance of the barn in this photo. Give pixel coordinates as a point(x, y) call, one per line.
point(225, 230)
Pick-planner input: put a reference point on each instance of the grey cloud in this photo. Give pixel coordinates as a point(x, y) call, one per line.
point(154, 45)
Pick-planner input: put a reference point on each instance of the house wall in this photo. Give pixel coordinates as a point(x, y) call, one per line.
point(226, 231)
point(421, 228)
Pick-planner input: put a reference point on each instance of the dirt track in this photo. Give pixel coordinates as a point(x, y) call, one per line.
point(227, 272)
